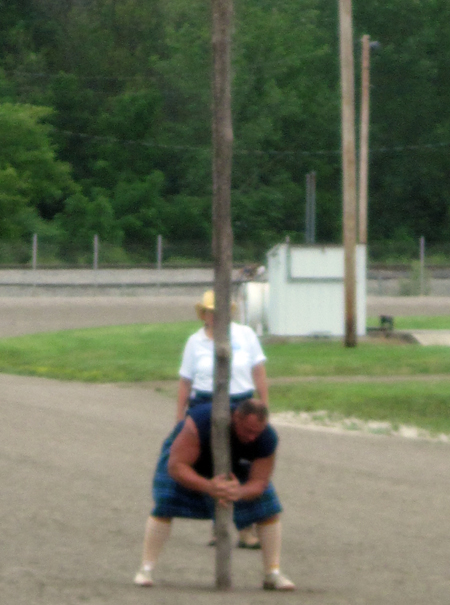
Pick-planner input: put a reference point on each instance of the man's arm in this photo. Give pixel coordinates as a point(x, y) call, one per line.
point(260, 473)
point(261, 470)
point(184, 454)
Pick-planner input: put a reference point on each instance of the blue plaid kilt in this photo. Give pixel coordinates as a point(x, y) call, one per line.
point(173, 500)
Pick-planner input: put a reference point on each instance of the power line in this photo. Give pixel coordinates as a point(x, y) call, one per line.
point(289, 61)
point(260, 152)
point(79, 77)
point(83, 135)
point(238, 151)
point(411, 147)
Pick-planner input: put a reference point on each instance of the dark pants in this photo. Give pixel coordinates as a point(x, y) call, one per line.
point(205, 397)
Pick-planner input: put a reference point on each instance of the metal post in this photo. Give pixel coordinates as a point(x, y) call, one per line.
point(159, 252)
point(313, 208)
point(96, 246)
point(422, 265)
point(348, 168)
point(34, 252)
point(308, 210)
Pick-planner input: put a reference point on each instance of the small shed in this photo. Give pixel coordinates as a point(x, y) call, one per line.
point(306, 285)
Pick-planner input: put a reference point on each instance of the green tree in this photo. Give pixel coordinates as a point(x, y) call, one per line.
point(33, 182)
point(76, 110)
point(101, 219)
point(410, 130)
point(138, 206)
point(81, 219)
point(285, 111)
point(129, 126)
point(73, 224)
point(129, 82)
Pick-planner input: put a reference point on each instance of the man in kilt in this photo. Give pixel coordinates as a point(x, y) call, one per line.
point(184, 485)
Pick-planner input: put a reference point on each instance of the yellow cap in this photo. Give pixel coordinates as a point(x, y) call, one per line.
point(208, 304)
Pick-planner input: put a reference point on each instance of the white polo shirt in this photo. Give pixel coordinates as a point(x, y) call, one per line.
point(198, 360)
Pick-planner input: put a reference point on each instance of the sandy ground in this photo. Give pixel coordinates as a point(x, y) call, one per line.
point(25, 315)
point(366, 521)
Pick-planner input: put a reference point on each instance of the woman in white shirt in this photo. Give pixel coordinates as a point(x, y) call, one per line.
point(247, 372)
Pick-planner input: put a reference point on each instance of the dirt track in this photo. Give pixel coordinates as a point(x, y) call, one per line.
point(366, 522)
point(24, 315)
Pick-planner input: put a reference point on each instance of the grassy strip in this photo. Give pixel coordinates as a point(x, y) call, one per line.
point(424, 405)
point(374, 358)
point(136, 352)
point(129, 353)
point(141, 352)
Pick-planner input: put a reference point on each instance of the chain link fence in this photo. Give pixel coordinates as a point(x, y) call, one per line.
point(43, 252)
point(46, 252)
point(394, 269)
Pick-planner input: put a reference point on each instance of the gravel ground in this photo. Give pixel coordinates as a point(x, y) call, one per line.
point(28, 314)
point(407, 305)
point(366, 520)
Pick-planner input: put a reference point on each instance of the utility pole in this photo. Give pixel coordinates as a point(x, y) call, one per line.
point(348, 167)
point(222, 251)
point(364, 139)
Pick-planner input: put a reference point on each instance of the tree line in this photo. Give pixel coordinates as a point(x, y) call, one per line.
point(105, 121)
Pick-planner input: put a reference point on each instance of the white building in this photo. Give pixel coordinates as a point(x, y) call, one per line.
point(306, 290)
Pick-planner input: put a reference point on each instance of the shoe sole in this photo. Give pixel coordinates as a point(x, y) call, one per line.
point(144, 583)
point(256, 546)
point(267, 586)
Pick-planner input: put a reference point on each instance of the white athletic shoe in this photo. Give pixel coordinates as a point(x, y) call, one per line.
point(275, 581)
point(143, 577)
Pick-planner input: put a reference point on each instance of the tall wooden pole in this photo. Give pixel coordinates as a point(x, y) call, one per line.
point(364, 140)
point(348, 167)
point(222, 249)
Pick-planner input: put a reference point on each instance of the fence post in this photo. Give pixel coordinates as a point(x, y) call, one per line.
point(308, 209)
point(34, 251)
point(313, 207)
point(159, 252)
point(95, 264)
point(422, 265)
